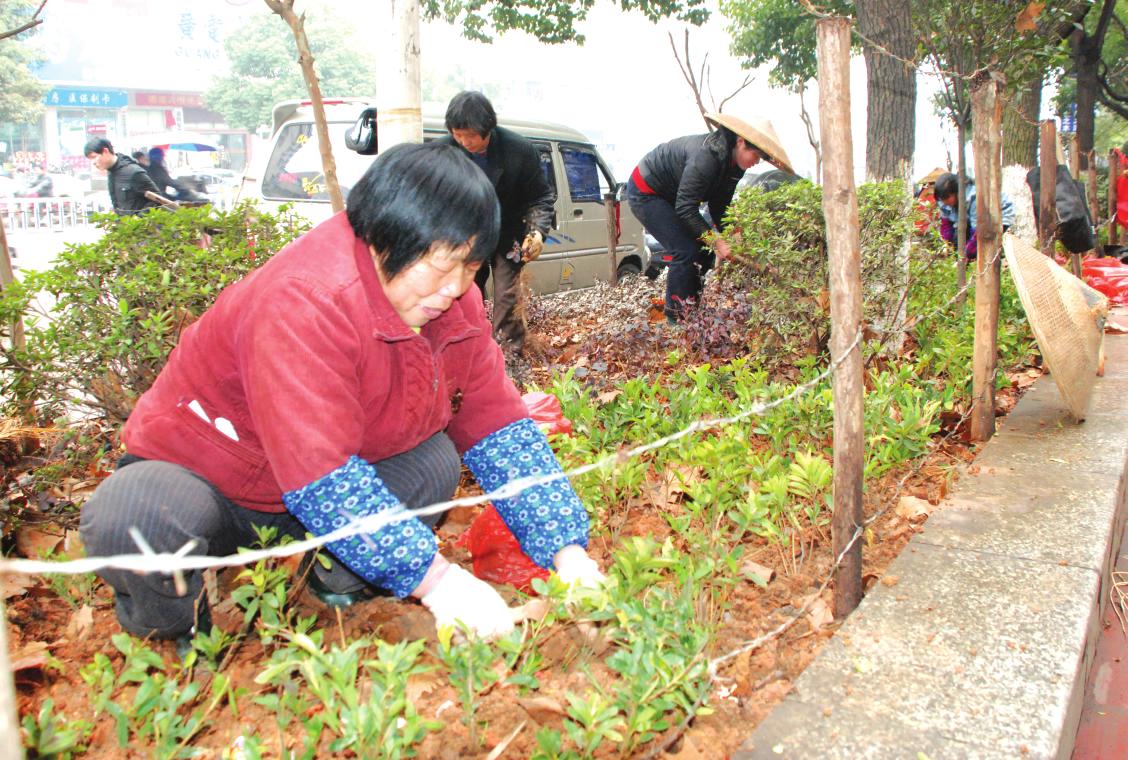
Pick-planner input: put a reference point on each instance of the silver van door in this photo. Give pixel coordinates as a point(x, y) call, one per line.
point(544, 273)
point(582, 217)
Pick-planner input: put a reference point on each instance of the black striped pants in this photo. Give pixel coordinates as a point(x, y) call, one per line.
point(170, 506)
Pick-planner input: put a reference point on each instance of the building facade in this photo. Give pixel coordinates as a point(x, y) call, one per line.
point(125, 70)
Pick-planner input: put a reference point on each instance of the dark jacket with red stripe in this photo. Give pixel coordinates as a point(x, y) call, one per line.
point(688, 171)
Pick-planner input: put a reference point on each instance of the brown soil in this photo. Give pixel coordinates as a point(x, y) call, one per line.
point(50, 640)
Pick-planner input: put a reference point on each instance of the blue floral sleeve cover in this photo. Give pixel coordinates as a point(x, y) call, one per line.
point(396, 556)
point(544, 518)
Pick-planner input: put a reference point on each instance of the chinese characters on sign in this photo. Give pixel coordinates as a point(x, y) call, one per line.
point(80, 97)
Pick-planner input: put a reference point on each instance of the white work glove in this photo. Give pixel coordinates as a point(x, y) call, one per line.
point(532, 246)
point(577, 569)
point(460, 597)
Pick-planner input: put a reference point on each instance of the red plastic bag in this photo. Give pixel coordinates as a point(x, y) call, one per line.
point(497, 555)
point(544, 409)
point(1108, 276)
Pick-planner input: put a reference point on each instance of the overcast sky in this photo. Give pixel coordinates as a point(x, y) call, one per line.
point(624, 90)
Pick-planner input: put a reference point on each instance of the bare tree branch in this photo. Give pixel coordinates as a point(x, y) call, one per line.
point(35, 21)
point(687, 72)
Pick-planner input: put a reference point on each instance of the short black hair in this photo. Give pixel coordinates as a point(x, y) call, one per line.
point(415, 195)
point(97, 145)
point(471, 110)
point(139, 154)
point(946, 184)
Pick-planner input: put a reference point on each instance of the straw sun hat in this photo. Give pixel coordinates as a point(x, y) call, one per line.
point(1067, 318)
point(760, 133)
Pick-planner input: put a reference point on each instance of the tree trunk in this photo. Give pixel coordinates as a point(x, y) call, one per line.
point(285, 9)
point(399, 89)
point(840, 207)
point(1047, 201)
point(890, 87)
point(1020, 127)
point(1086, 59)
point(7, 276)
point(961, 207)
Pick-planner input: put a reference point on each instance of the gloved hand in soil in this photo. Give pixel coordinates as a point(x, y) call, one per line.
point(577, 569)
point(458, 597)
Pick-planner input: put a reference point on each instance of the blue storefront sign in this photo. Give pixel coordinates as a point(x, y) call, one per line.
point(86, 97)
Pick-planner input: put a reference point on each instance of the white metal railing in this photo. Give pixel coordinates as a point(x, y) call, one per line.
point(53, 214)
point(30, 214)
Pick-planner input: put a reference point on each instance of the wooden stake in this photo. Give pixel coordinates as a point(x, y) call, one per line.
point(840, 207)
point(1075, 156)
point(987, 136)
point(1091, 189)
point(9, 723)
point(609, 205)
point(1113, 173)
point(1047, 200)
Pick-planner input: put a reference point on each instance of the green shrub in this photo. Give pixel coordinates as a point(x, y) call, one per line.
point(779, 265)
point(101, 323)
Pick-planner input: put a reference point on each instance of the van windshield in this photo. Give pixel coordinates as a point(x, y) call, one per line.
point(294, 170)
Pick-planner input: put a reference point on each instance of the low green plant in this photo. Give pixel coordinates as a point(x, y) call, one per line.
point(50, 735)
point(470, 667)
point(377, 722)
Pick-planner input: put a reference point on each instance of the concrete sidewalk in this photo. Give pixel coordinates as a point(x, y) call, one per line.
point(982, 647)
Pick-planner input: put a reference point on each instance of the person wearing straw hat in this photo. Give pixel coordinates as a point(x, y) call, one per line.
point(349, 377)
point(671, 182)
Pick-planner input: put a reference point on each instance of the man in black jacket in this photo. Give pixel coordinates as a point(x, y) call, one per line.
point(513, 166)
point(126, 179)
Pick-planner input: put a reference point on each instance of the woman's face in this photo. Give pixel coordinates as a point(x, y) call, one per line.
point(745, 155)
point(427, 288)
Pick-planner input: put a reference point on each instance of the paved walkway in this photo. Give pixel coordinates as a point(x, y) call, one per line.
point(981, 646)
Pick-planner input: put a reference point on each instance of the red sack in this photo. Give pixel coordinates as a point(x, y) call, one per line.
point(497, 555)
point(1108, 276)
point(544, 409)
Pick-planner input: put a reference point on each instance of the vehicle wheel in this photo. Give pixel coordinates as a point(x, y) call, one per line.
point(652, 272)
point(628, 269)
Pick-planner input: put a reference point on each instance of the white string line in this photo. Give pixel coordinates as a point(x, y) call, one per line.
point(173, 562)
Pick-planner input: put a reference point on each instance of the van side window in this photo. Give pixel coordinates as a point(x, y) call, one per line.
point(294, 170)
point(586, 182)
point(545, 152)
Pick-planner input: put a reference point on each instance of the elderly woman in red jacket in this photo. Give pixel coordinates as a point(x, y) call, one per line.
point(348, 377)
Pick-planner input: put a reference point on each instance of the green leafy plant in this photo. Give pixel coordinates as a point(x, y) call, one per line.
point(47, 734)
point(470, 668)
point(101, 323)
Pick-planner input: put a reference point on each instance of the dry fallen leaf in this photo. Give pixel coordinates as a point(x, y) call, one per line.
point(757, 573)
point(16, 584)
point(819, 615)
point(34, 543)
point(542, 709)
point(608, 396)
point(81, 622)
point(422, 684)
point(890, 580)
point(911, 507)
point(535, 609)
point(1026, 20)
point(32, 655)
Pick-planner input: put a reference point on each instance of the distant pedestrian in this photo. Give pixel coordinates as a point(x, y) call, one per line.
point(671, 182)
point(512, 164)
point(141, 157)
point(126, 179)
point(159, 172)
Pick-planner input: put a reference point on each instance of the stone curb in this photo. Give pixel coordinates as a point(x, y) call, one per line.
point(981, 647)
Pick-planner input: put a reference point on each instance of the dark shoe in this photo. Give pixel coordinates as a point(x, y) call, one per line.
point(349, 590)
point(203, 625)
point(339, 599)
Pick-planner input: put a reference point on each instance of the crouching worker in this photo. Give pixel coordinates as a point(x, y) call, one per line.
point(946, 191)
point(347, 377)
